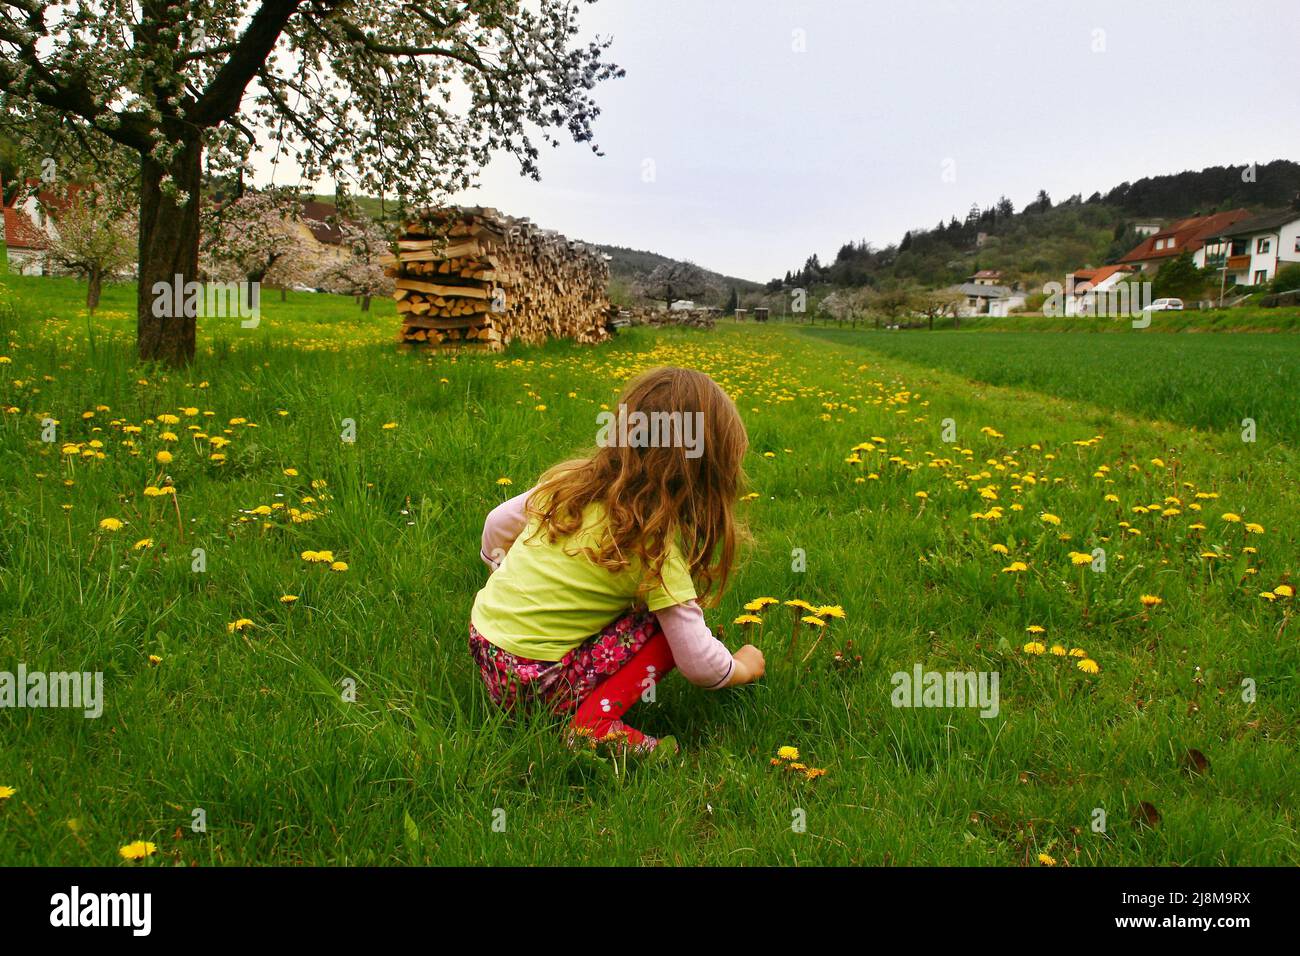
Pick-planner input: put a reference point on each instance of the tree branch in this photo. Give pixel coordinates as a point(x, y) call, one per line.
point(224, 93)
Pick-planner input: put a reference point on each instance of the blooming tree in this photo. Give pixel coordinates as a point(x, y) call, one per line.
point(91, 233)
point(361, 274)
point(406, 98)
point(255, 239)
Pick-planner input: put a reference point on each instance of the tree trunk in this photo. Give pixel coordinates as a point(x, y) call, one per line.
point(169, 247)
point(365, 304)
point(93, 287)
point(284, 294)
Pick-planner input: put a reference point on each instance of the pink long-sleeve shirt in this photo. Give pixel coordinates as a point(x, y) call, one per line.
point(702, 658)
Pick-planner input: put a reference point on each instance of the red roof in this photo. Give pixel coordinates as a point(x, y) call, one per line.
point(316, 215)
point(21, 232)
point(1096, 277)
point(1188, 235)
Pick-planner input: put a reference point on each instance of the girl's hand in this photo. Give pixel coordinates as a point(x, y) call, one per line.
point(750, 666)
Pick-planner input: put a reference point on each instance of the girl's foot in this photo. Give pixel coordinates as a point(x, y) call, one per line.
point(618, 735)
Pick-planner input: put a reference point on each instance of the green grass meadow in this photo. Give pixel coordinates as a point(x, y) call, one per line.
point(914, 536)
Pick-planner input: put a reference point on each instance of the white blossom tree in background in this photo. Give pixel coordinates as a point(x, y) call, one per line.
point(403, 98)
point(362, 273)
point(91, 233)
point(670, 281)
point(255, 239)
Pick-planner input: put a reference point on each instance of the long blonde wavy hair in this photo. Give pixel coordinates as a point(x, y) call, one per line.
point(653, 497)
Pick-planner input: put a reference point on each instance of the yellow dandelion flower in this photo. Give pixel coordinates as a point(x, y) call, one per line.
point(748, 619)
point(137, 850)
point(1046, 860)
point(1035, 629)
point(239, 626)
point(7, 792)
point(1034, 647)
point(788, 753)
point(1151, 600)
point(111, 524)
point(1087, 665)
point(1284, 591)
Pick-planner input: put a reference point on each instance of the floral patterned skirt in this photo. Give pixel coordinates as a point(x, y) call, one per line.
point(560, 686)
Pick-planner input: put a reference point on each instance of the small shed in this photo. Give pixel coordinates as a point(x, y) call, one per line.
point(760, 315)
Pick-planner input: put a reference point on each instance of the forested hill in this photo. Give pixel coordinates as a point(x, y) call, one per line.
point(1047, 239)
point(629, 267)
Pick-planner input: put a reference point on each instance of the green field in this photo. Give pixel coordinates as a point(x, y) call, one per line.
point(1207, 382)
point(251, 726)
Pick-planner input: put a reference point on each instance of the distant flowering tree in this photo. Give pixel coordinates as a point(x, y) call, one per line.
point(92, 234)
point(671, 281)
point(255, 238)
point(361, 274)
point(847, 305)
point(403, 97)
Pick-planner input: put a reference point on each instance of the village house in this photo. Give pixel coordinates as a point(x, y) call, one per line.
point(25, 244)
point(985, 299)
point(1182, 235)
point(1251, 251)
point(1090, 291)
point(318, 223)
point(987, 277)
point(29, 223)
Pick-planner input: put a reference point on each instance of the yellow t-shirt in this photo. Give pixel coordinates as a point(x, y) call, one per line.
point(543, 601)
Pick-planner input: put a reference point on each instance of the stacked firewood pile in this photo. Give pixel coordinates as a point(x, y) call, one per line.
point(472, 277)
point(695, 318)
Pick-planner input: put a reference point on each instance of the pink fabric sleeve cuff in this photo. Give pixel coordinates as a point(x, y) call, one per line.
point(702, 658)
point(504, 524)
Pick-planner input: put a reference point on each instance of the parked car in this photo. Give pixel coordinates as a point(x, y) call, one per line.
point(1165, 305)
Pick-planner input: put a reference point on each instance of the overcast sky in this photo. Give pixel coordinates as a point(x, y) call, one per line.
point(778, 128)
